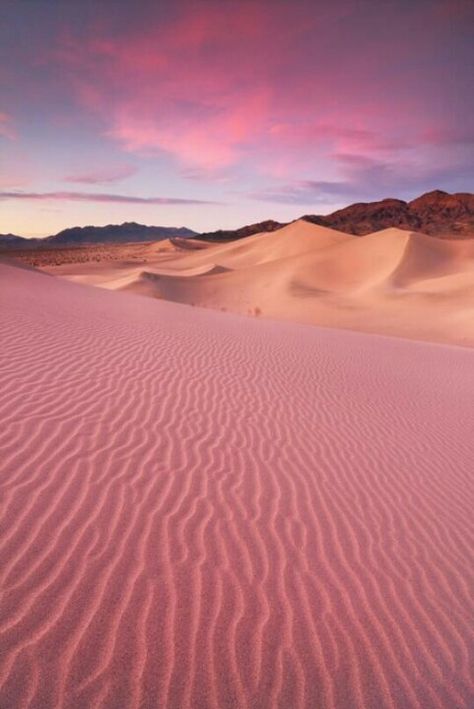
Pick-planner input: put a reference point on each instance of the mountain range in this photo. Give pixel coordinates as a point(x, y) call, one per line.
point(112, 233)
point(436, 213)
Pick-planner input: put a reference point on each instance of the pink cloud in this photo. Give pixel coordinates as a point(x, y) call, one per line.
point(338, 136)
point(208, 137)
point(279, 86)
point(443, 135)
point(197, 88)
point(101, 175)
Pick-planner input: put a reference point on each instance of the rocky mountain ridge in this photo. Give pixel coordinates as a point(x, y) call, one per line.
point(435, 213)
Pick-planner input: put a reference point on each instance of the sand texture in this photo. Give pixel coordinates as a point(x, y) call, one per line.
point(204, 510)
point(392, 282)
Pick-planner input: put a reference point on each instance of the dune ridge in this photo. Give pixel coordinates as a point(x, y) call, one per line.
point(392, 282)
point(202, 510)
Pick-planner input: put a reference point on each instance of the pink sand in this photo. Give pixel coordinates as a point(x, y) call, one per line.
point(207, 510)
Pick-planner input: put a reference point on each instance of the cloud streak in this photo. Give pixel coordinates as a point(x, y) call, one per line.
point(103, 175)
point(99, 197)
point(364, 179)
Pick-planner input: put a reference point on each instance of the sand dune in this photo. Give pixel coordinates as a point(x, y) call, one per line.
point(295, 239)
point(203, 510)
point(392, 282)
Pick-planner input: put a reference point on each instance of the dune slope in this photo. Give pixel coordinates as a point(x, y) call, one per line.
point(393, 282)
point(205, 510)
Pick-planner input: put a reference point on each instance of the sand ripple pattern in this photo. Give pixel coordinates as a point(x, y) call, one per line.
point(203, 510)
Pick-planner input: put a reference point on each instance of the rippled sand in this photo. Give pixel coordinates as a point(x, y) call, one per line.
point(205, 510)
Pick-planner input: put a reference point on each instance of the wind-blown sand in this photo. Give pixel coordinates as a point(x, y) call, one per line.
point(206, 510)
point(392, 282)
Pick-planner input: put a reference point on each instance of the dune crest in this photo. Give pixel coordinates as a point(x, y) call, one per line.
point(391, 282)
point(200, 510)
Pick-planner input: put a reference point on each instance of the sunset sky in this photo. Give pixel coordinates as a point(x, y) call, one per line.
point(217, 114)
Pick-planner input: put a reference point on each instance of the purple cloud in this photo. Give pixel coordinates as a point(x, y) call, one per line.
point(364, 178)
point(98, 197)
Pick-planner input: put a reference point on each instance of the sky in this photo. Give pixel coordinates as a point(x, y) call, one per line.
point(215, 114)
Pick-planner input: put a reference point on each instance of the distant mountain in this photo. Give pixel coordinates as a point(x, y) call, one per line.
point(436, 213)
point(12, 241)
point(231, 234)
point(115, 233)
point(112, 233)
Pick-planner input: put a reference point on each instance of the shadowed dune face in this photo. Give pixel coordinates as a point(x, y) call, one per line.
point(427, 258)
point(393, 282)
point(202, 510)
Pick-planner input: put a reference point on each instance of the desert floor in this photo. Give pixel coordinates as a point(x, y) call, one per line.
point(203, 509)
